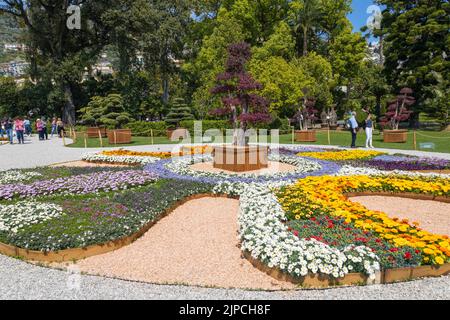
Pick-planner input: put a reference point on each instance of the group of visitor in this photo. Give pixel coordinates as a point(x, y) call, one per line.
point(367, 126)
point(21, 127)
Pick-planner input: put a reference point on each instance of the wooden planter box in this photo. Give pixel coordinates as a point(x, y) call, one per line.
point(120, 136)
point(177, 133)
point(305, 136)
point(395, 136)
point(93, 132)
point(241, 159)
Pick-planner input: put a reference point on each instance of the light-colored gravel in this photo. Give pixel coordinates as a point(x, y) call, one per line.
point(19, 280)
point(274, 167)
point(432, 216)
point(197, 244)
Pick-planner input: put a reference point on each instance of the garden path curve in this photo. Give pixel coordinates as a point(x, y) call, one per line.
point(197, 244)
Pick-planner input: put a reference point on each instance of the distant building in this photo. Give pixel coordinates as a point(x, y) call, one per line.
point(375, 53)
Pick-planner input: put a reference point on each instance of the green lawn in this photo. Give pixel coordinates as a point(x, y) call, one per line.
point(440, 141)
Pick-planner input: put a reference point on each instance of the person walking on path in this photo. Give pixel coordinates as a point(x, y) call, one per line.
point(2, 129)
point(54, 127)
point(20, 129)
point(39, 129)
point(9, 125)
point(27, 124)
point(353, 125)
point(369, 131)
point(60, 125)
point(44, 129)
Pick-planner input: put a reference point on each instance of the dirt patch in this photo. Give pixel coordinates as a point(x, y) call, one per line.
point(433, 216)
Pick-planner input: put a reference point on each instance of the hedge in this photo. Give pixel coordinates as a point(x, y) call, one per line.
point(143, 128)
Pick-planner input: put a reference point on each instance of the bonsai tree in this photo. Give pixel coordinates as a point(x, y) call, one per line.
point(397, 110)
point(238, 91)
point(106, 111)
point(179, 112)
point(307, 113)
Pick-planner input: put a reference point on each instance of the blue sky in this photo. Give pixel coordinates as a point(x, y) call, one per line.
point(359, 15)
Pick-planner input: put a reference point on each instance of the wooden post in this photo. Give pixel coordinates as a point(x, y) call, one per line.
point(151, 135)
point(74, 137)
point(115, 137)
point(85, 140)
point(293, 135)
point(64, 140)
point(329, 136)
point(101, 138)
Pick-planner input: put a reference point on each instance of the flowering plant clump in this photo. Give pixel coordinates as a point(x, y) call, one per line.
point(315, 196)
point(180, 169)
point(342, 155)
point(122, 152)
point(349, 170)
point(97, 219)
point(338, 233)
point(15, 176)
point(267, 238)
point(17, 216)
point(390, 163)
point(81, 184)
point(122, 159)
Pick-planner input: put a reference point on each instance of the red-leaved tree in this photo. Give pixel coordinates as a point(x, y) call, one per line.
point(238, 91)
point(398, 109)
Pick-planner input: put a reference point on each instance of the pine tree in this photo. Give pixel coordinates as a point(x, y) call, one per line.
point(178, 112)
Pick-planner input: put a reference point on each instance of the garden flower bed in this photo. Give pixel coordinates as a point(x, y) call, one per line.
point(342, 155)
point(81, 184)
point(389, 163)
point(122, 152)
point(59, 223)
point(300, 223)
point(180, 169)
point(131, 160)
point(314, 197)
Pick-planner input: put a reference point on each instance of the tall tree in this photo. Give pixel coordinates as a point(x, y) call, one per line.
point(417, 38)
point(305, 16)
point(64, 52)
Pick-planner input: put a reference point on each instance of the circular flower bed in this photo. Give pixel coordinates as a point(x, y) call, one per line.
point(179, 169)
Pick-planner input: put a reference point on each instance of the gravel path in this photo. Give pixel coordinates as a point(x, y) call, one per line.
point(197, 244)
point(432, 216)
point(20, 280)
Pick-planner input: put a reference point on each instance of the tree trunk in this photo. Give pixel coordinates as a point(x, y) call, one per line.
point(166, 89)
point(305, 41)
point(378, 108)
point(69, 106)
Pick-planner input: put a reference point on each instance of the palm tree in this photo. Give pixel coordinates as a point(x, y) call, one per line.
point(305, 16)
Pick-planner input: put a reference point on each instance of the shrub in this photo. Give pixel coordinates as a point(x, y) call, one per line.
point(179, 112)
